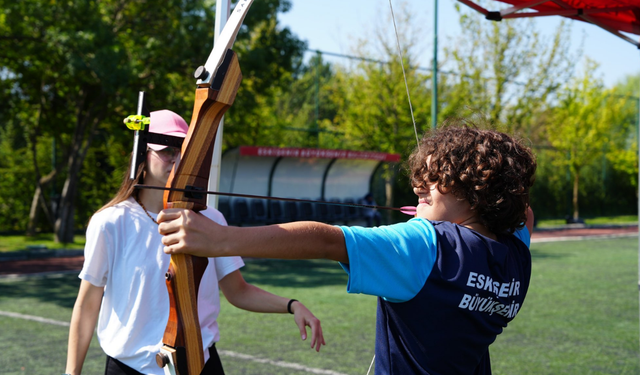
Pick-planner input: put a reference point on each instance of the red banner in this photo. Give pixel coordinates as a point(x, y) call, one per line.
point(317, 153)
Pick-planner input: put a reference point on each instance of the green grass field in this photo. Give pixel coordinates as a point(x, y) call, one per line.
point(580, 317)
point(9, 243)
point(20, 242)
point(600, 220)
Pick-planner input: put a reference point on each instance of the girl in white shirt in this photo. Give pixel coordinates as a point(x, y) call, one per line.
point(123, 286)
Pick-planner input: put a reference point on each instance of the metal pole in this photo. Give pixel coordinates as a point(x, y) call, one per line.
point(316, 129)
point(223, 9)
point(434, 78)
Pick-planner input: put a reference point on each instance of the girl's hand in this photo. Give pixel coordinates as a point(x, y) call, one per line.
point(303, 318)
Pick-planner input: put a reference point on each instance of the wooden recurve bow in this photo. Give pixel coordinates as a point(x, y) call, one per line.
point(217, 84)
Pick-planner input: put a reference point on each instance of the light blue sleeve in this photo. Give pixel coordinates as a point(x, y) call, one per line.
point(392, 262)
point(523, 235)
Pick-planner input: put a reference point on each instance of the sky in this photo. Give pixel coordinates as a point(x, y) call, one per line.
point(336, 25)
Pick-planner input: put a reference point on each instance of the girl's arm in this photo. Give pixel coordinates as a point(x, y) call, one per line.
point(185, 231)
point(251, 298)
point(83, 323)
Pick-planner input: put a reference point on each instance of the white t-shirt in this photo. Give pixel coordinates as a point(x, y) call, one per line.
point(123, 253)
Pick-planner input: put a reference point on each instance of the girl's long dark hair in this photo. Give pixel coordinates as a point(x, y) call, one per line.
point(127, 188)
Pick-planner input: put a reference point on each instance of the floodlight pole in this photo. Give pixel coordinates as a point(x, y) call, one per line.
point(434, 78)
point(223, 9)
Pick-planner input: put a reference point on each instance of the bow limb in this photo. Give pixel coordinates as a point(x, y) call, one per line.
point(226, 39)
point(210, 105)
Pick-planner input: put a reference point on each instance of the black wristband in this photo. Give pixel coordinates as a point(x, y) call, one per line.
point(289, 305)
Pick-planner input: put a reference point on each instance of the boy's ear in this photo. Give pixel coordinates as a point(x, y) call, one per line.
point(444, 190)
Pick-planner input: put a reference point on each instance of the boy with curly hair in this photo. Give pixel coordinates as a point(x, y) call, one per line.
point(448, 280)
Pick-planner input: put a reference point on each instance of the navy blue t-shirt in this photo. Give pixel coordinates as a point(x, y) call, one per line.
point(445, 292)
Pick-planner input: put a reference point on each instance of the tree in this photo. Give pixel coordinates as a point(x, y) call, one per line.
point(303, 112)
point(506, 71)
point(269, 56)
point(371, 97)
point(586, 124)
point(371, 101)
point(72, 70)
point(77, 66)
point(625, 160)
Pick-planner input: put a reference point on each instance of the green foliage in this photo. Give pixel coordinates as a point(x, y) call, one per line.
point(71, 72)
point(624, 159)
point(268, 54)
point(506, 72)
point(587, 124)
point(625, 163)
point(604, 190)
point(304, 112)
point(371, 97)
point(550, 190)
point(16, 182)
point(373, 110)
point(74, 71)
point(629, 86)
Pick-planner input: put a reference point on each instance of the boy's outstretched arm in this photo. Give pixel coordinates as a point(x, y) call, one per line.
point(189, 232)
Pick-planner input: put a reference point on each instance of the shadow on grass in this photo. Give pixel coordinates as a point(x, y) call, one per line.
point(61, 289)
point(537, 253)
point(298, 273)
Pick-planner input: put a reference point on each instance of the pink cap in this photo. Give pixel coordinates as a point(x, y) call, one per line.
point(169, 123)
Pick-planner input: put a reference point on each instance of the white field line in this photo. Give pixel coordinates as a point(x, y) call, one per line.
point(227, 353)
point(34, 318)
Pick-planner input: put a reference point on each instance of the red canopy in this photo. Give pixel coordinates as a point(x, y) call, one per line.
point(615, 16)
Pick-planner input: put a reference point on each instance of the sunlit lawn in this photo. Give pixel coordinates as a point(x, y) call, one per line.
point(18, 243)
point(580, 317)
point(601, 220)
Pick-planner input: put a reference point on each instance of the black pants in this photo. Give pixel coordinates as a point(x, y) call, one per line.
point(212, 367)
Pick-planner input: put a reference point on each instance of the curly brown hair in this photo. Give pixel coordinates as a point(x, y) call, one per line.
point(491, 170)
